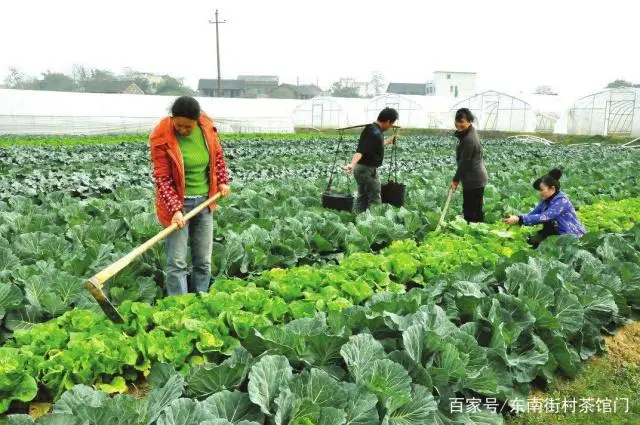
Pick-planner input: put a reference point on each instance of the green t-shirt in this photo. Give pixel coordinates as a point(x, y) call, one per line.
point(195, 156)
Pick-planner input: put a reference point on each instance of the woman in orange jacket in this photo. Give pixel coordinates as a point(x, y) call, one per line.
point(188, 168)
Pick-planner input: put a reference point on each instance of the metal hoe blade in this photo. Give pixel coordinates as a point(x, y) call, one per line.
point(109, 309)
point(95, 284)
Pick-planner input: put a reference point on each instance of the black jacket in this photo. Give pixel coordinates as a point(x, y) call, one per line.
point(471, 171)
point(371, 146)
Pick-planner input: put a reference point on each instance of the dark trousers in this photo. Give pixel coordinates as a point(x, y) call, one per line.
point(368, 187)
point(548, 229)
point(472, 202)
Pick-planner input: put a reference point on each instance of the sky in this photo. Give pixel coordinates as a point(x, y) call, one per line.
point(574, 46)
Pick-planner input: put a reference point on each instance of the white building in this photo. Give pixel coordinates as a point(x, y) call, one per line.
point(452, 84)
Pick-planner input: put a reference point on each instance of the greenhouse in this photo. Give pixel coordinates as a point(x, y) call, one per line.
point(412, 109)
point(415, 111)
point(495, 111)
point(39, 112)
point(550, 112)
point(607, 113)
point(324, 112)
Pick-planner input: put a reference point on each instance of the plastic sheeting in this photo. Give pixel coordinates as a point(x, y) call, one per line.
point(495, 111)
point(38, 112)
point(551, 112)
point(324, 112)
point(414, 111)
point(610, 112)
point(614, 111)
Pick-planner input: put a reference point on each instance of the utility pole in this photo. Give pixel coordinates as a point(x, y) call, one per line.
point(217, 21)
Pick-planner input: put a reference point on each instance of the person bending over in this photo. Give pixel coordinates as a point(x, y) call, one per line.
point(555, 211)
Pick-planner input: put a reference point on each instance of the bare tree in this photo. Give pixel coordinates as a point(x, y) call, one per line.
point(378, 82)
point(339, 89)
point(15, 79)
point(80, 76)
point(129, 73)
point(20, 81)
point(546, 90)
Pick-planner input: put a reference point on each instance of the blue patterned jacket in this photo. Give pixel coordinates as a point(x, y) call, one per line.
point(558, 210)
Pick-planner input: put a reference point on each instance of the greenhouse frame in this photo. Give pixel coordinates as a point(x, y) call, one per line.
point(550, 112)
point(41, 112)
point(325, 112)
point(608, 112)
point(496, 111)
point(613, 112)
point(414, 111)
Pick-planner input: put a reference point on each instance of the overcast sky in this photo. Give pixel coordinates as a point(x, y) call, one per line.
point(574, 46)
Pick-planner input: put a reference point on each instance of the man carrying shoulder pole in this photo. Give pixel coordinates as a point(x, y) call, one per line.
point(368, 158)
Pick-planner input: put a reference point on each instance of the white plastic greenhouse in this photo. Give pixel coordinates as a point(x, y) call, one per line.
point(414, 111)
point(609, 112)
point(550, 112)
point(497, 111)
point(324, 112)
point(38, 112)
point(439, 112)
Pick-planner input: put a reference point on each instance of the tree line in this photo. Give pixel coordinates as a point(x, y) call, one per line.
point(88, 80)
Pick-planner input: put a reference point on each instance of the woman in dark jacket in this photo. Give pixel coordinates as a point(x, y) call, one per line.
point(471, 171)
point(555, 211)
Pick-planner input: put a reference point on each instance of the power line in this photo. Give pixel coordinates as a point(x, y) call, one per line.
point(217, 21)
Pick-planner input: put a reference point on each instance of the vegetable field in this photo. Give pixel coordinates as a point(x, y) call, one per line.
point(315, 317)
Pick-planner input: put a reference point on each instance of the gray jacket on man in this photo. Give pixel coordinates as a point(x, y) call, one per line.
point(471, 171)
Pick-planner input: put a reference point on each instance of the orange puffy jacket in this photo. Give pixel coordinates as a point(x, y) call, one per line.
point(168, 166)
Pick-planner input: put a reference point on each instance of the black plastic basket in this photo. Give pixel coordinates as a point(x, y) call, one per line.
point(393, 193)
point(341, 201)
point(337, 200)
